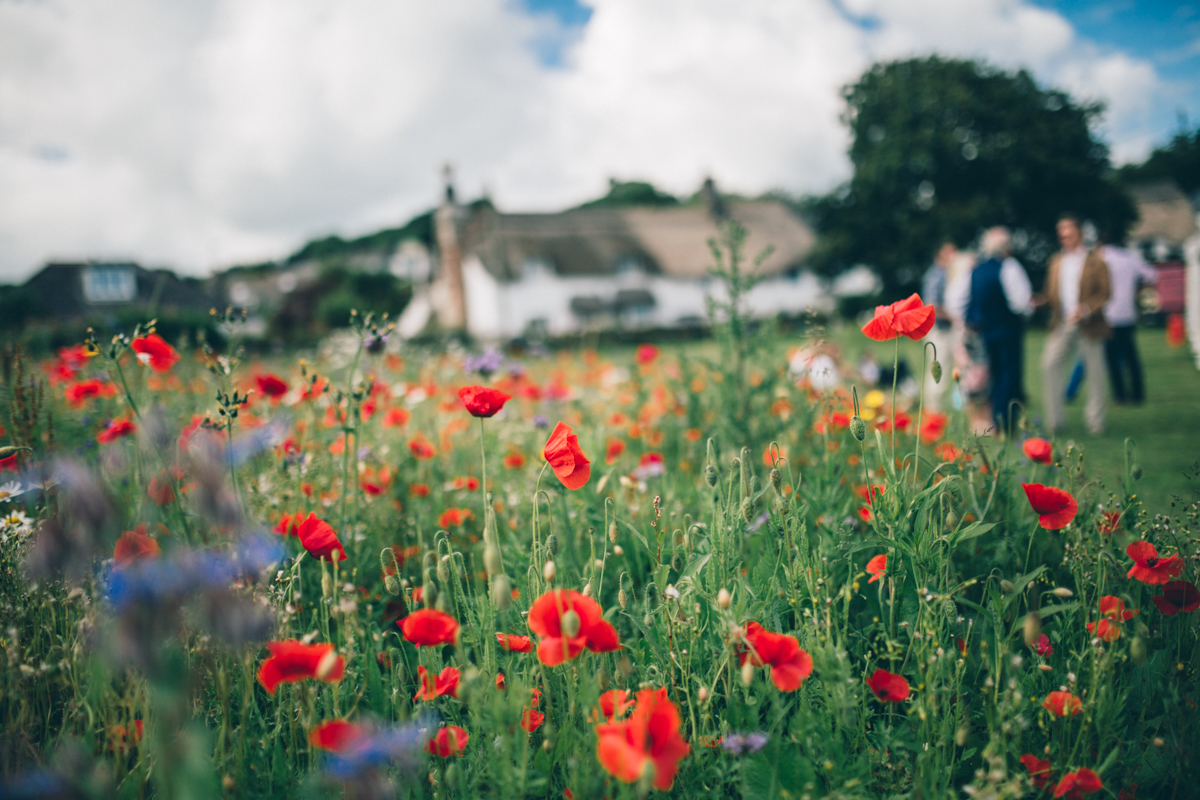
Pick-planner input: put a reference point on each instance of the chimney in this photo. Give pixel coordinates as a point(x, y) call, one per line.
point(453, 314)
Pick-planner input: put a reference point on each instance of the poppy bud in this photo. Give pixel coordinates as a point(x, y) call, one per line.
point(1137, 472)
point(326, 585)
point(710, 476)
point(744, 467)
point(1062, 591)
point(442, 604)
point(443, 569)
point(677, 562)
point(602, 679)
point(391, 585)
point(570, 623)
point(747, 510)
point(549, 571)
point(858, 428)
point(623, 599)
point(618, 550)
point(492, 560)
point(747, 673)
point(646, 779)
point(936, 371)
point(949, 608)
point(501, 591)
point(702, 694)
point(652, 596)
point(960, 735)
point(1007, 586)
point(552, 544)
point(1033, 628)
point(612, 531)
point(723, 598)
point(1137, 650)
point(951, 520)
point(450, 776)
point(777, 480)
point(429, 593)
point(327, 665)
point(587, 590)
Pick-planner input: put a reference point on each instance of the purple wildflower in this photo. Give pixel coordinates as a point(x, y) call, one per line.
point(741, 744)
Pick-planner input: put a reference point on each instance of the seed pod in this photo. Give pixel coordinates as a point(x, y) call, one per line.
point(710, 476)
point(501, 591)
point(858, 428)
point(391, 585)
point(612, 531)
point(552, 544)
point(777, 480)
point(1033, 628)
point(936, 371)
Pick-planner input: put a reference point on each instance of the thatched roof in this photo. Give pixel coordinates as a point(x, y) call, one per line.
point(1164, 213)
point(670, 241)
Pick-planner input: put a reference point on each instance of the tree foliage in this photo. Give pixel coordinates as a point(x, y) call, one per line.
point(1178, 161)
point(945, 148)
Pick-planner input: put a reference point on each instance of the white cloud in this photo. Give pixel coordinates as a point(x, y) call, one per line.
point(204, 133)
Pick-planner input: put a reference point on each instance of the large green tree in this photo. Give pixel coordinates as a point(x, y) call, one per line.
point(945, 148)
point(1178, 161)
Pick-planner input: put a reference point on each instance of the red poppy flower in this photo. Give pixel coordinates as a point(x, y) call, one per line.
point(319, 539)
point(1110, 522)
point(933, 426)
point(293, 661)
point(1055, 507)
point(877, 566)
point(614, 703)
point(1043, 646)
point(134, 546)
point(613, 450)
point(790, 665)
point(419, 489)
point(272, 386)
point(514, 460)
point(432, 688)
point(947, 451)
point(422, 448)
point(9, 464)
point(160, 490)
point(1113, 613)
point(888, 686)
point(531, 719)
point(1038, 768)
point(566, 458)
point(908, 317)
point(450, 741)
point(1038, 450)
point(396, 417)
point(119, 733)
point(649, 736)
point(1080, 782)
point(336, 735)
point(116, 429)
point(515, 643)
point(1177, 596)
point(568, 622)
point(482, 401)
point(287, 524)
point(646, 354)
point(453, 517)
point(429, 627)
point(1148, 567)
point(79, 392)
point(1063, 704)
point(500, 681)
point(154, 352)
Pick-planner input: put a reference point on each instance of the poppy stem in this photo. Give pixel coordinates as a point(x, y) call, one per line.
point(483, 480)
point(895, 374)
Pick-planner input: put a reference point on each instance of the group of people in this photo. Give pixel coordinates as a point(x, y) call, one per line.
point(983, 302)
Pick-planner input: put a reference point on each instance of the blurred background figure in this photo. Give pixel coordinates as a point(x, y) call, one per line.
point(1077, 289)
point(933, 292)
point(999, 301)
point(1126, 268)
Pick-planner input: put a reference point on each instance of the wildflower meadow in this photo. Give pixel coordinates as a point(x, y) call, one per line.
point(388, 569)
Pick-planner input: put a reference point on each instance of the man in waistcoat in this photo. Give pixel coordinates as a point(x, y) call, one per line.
point(999, 302)
point(1078, 286)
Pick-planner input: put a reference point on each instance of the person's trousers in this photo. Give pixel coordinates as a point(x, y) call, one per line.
point(1005, 363)
point(1059, 351)
point(1123, 362)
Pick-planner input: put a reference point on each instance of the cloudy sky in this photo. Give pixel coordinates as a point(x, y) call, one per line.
point(202, 134)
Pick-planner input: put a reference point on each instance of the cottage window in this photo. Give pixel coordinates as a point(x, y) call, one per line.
point(109, 284)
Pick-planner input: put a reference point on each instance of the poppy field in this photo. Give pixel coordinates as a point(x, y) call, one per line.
point(384, 569)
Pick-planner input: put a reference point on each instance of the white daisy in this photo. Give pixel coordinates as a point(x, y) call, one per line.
point(10, 490)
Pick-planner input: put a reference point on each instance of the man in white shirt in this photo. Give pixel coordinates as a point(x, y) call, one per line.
point(1126, 267)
